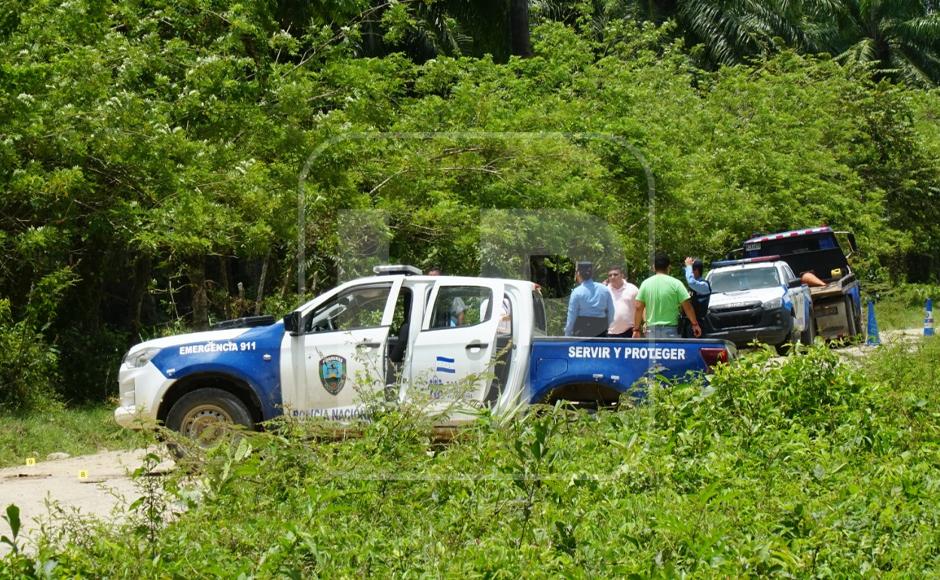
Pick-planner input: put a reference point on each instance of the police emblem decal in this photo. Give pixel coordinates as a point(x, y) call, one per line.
point(333, 373)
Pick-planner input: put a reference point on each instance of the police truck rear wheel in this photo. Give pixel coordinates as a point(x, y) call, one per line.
point(850, 327)
point(207, 414)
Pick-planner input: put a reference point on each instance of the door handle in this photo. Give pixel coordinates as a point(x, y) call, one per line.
point(473, 345)
point(367, 344)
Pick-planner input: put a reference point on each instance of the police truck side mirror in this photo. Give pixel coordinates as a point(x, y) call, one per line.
point(795, 283)
point(292, 323)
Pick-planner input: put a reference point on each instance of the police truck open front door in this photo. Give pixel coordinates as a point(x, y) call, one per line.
point(453, 354)
point(344, 343)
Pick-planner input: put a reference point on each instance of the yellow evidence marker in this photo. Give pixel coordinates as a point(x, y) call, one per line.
point(83, 474)
point(30, 461)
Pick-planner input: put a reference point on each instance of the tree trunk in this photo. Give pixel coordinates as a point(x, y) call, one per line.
point(519, 27)
point(264, 274)
point(142, 273)
point(196, 270)
point(224, 281)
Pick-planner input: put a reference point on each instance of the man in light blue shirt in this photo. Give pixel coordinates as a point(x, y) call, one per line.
point(590, 308)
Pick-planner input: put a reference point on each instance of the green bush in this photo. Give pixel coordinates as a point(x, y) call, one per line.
point(28, 365)
point(798, 467)
point(916, 295)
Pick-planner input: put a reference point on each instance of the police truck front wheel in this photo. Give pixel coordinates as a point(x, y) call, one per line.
point(206, 415)
point(809, 331)
point(784, 347)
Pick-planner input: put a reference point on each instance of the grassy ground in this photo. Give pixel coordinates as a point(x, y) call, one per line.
point(895, 315)
point(902, 306)
point(73, 431)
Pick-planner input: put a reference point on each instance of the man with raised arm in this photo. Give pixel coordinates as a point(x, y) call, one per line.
point(658, 303)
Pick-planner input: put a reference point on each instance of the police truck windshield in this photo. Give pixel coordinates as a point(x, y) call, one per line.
point(744, 279)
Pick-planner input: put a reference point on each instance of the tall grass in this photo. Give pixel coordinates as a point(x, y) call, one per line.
point(73, 431)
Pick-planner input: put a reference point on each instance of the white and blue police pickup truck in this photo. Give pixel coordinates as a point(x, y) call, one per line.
point(759, 299)
point(397, 333)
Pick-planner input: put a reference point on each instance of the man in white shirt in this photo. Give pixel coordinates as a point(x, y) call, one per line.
point(624, 296)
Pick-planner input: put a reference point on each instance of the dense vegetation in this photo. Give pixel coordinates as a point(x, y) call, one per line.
point(151, 151)
point(800, 468)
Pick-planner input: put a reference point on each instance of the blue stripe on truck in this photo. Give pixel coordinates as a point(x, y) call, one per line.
point(241, 357)
point(617, 363)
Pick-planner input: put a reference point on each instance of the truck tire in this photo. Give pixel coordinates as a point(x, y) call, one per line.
point(204, 415)
point(850, 327)
point(859, 329)
point(786, 346)
point(809, 333)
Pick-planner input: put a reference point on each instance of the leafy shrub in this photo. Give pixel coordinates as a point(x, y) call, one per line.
point(916, 295)
point(794, 467)
point(813, 389)
point(28, 365)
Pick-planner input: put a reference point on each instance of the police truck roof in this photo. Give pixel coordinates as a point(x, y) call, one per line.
point(744, 261)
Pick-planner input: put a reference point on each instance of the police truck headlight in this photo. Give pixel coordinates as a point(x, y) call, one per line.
point(773, 304)
point(140, 357)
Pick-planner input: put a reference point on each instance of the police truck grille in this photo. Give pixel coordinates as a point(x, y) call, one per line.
point(735, 315)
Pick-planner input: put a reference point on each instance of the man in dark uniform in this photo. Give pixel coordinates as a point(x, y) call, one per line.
point(701, 293)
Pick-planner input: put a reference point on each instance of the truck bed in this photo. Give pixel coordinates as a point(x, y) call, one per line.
point(832, 288)
point(600, 369)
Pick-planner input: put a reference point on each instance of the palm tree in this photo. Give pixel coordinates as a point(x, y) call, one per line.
point(519, 27)
point(900, 39)
point(735, 30)
point(730, 31)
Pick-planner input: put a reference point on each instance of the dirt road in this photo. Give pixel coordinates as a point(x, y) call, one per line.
point(98, 485)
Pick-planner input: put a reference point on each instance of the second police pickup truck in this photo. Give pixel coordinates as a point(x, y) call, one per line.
point(836, 293)
point(759, 299)
point(414, 335)
point(788, 286)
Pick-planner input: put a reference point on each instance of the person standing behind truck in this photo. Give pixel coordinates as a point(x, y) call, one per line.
point(701, 293)
point(590, 308)
point(658, 302)
point(623, 294)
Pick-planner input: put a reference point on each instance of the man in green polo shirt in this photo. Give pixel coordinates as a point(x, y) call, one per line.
point(658, 303)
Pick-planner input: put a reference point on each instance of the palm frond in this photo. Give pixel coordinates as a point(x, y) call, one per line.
point(908, 69)
point(921, 30)
point(862, 51)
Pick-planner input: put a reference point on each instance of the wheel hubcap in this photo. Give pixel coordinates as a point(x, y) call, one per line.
point(206, 423)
